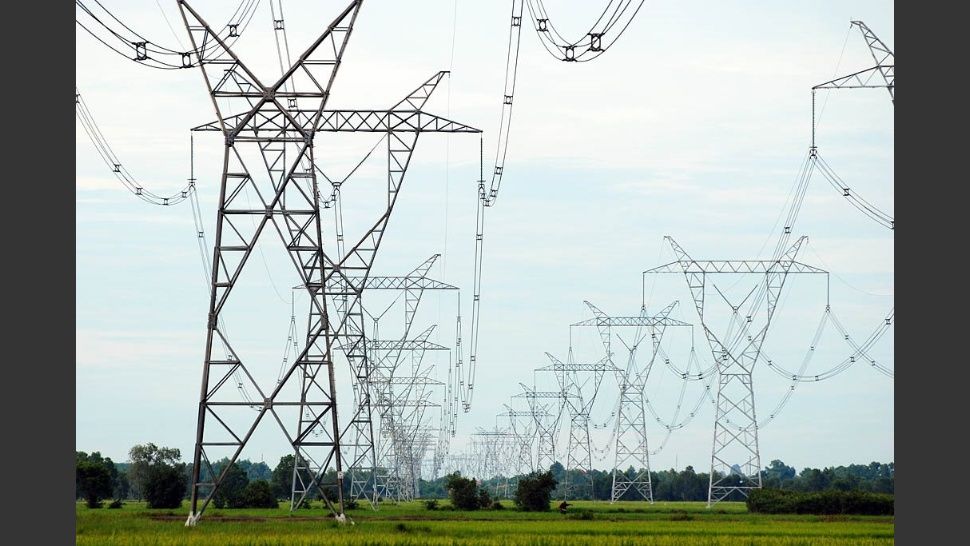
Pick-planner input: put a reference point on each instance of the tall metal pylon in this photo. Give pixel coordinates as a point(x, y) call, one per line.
point(386, 357)
point(547, 428)
point(579, 452)
point(735, 455)
point(523, 425)
point(631, 447)
point(269, 135)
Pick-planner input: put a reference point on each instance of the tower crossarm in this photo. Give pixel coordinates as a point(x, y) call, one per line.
point(632, 321)
point(404, 345)
point(734, 266)
point(602, 366)
point(870, 78)
point(883, 74)
point(337, 284)
point(342, 121)
point(418, 380)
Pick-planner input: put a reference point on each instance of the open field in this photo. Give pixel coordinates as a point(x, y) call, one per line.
point(625, 523)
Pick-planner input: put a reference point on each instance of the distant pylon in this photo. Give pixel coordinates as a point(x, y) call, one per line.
point(735, 457)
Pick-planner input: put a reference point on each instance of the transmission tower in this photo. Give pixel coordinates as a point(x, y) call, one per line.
point(579, 453)
point(387, 356)
point(523, 425)
point(272, 127)
point(631, 446)
point(547, 428)
point(735, 458)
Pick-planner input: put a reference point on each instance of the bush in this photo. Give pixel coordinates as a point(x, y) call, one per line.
point(484, 499)
point(116, 504)
point(351, 504)
point(463, 492)
point(431, 504)
point(534, 492)
point(93, 481)
point(259, 494)
point(776, 501)
point(498, 506)
point(164, 486)
point(230, 492)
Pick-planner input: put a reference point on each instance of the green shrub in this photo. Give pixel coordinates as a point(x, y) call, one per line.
point(231, 489)
point(93, 481)
point(431, 504)
point(484, 499)
point(259, 494)
point(463, 492)
point(534, 492)
point(164, 486)
point(498, 506)
point(776, 501)
point(115, 504)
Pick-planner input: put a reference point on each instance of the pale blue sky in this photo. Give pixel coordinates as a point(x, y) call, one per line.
point(693, 125)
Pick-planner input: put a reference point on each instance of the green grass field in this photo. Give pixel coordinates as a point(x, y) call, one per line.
point(620, 524)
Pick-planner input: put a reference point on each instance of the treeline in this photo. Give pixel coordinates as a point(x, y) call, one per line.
point(689, 485)
point(832, 502)
point(158, 476)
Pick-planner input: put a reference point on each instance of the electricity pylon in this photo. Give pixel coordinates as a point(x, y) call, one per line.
point(735, 458)
point(269, 132)
point(631, 447)
point(579, 452)
point(881, 75)
point(546, 429)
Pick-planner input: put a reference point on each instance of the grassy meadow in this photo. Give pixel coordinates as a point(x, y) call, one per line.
point(410, 524)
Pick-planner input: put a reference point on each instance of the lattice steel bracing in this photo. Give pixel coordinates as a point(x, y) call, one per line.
point(547, 424)
point(735, 456)
point(881, 75)
point(523, 425)
point(399, 424)
point(579, 452)
point(631, 448)
point(269, 134)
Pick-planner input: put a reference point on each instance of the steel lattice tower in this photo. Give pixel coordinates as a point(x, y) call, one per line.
point(579, 453)
point(631, 447)
point(546, 429)
point(735, 457)
point(269, 151)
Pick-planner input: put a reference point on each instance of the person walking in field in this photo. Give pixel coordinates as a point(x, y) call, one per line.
point(562, 507)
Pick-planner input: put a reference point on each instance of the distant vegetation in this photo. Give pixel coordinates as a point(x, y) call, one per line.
point(777, 501)
point(159, 476)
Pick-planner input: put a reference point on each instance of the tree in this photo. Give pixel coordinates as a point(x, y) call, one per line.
point(232, 488)
point(164, 486)
point(259, 494)
point(778, 475)
point(282, 479)
point(92, 480)
point(121, 486)
point(463, 492)
point(534, 491)
point(142, 457)
point(484, 499)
